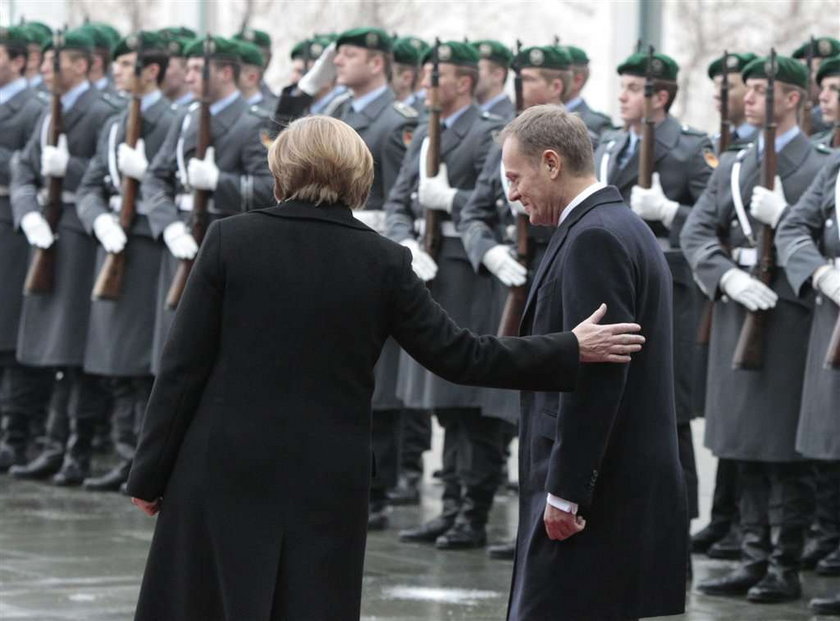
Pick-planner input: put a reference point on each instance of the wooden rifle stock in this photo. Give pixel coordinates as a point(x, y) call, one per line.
point(646, 149)
point(109, 282)
point(201, 198)
point(749, 351)
point(40, 278)
point(433, 218)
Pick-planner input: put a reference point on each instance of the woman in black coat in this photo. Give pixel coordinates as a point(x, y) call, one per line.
point(256, 441)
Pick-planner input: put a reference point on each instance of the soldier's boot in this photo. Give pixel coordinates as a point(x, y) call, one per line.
point(469, 530)
point(830, 564)
point(407, 490)
point(111, 481)
point(825, 535)
point(76, 466)
point(702, 540)
point(503, 551)
point(755, 550)
point(46, 464)
point(781, 584)
point(431, 530)
point(729, 547)
point(15, 439)
point(828, 606)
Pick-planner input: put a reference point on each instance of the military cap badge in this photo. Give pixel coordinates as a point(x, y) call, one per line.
point(770, 68)
point(537, 57)
point(444, 53)
point(249, 35)
point(174, 47)
point(416, 43)
point(132, 42)
point(316, 49)
point(731, 62)
point(656, 66)
point(372, 39)
point(485, 50)
point(824, 47)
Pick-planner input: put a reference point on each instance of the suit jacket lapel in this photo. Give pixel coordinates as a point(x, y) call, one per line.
point(791, 157)
point(453, 135)
point(220, 123)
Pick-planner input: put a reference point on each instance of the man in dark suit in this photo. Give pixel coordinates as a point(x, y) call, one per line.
point(599, 467)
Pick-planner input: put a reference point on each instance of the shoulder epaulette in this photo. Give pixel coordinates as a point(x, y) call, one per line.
point(115, 101)
point(44, 96)
point(822, 148)
point(194, 106)
point(491, 117)
point(260, 112)
point(690, 131)
point(406, 110)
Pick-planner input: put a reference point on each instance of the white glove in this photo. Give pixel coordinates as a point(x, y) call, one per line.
point(767, 206)
point(179, 241)
point(321, 74)
point(652, 204)
point(374, 218)
point(827, 281)
point(132, 162)
point(109, 233)
point(37, 230)
point(203, 174)
point(503, 266)
point(422, 264)
point(746, 290)
point(54, 159)
point(435, 192)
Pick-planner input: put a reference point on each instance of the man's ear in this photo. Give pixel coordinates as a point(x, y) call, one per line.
point(552, 162)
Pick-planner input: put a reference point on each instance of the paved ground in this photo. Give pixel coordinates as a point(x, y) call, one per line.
point(68, 554)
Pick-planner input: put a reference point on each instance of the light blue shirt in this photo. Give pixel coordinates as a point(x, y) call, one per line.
point(69, 99)
point(781, 141)
point(36, 81)
point(318, 106)
point(452, 118)
point(183, 100)
point(12, 88)
point(492, 102)
point(220, 105)
point(573, 103)
point(360, 103)
point(101, 83)
point(255, 98)
point(150, 99)
point(745, 130)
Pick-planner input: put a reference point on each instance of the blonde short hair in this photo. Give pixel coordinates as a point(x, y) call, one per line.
point(320, 159)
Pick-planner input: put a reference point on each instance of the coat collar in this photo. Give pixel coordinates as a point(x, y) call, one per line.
point(14, 104)
point(603, 196)
point(453, 136)
point(361, 120)
point(221, 122)
point(300, 210)
point(80, 108)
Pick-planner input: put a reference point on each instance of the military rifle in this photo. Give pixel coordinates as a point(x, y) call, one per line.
point(809, 103)
point(749, 351)
point(646, 151)
point(109, 282)
point(201, 198)
point(41, 275)
point(517, 296)
point(433, 217)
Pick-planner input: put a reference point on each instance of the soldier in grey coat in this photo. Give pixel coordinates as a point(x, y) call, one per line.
point(682, 161)
point(752, 414)
point(119, 340)
point(465, 141)
point(596, 122)
point(493, 66)
point(828, 79)
point(53, 326)
point(24, 390)
point(250, 78)
point(235, 169)
point(808, 242)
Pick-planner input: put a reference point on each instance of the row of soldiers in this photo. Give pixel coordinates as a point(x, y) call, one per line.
point(86, 361)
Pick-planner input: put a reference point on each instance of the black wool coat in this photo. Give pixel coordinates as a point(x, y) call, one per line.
point(257, 434)
point(611, 446)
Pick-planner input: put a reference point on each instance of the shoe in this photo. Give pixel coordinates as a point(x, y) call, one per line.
point(407, 492)
point(11, 456)
point(111, 481)
point(428, 532)
point(815, 551)
point(42, 467)
point(502, 551)
point(736, 582)
point(829, 565)
point(462, 537)
point(825, 606)
point(377, 520)
point(703, 540)
point(728, 548)
point(776, 587)
point(72, 474)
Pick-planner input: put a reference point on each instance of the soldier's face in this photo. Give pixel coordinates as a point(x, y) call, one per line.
point(537, 90)
point(531, 183)
point(490, 76)
point(754, 101)
point(193, 77)
point(33, 61)
point(354, 66)
point(6, 72)
point(123, 68)
point(451, 85)
point(736, 95)
point(829, 94)
point(631, 98)
point(176, 73)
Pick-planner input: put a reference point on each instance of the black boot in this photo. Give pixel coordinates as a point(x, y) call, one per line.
point(406, 492)
point(11, 456)
point(110, 481)
point(755, 550)
point(462, 536)
point(830, 564)
point(826, 606)
point(428, 532)
point(72, 474)
point(727, 548)
point(702, 540)
point(781, 584)
point(502, 551)
point(816, 549)
point(42, 467)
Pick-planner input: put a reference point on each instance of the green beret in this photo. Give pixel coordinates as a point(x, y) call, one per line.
point(148, 40)
point(41, 33)
point(109, 30)
point(250, 54)
point(544, 57)
point(788, 70)
point(101, 37)
point(823, 48)
point(828, 67)
point(221, 49)
point(315, 47)
point(77, 39)
point(662, 67)
point(177, 32)
point(735, 63)
point(257, 37)
point(15, 37)
point(577, 55)
point(176, 46)
point(409, 50)
point(453, 53)
point(493, 50)
point(368, 38)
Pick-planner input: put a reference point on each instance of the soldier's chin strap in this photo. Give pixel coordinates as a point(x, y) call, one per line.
point(737, 199)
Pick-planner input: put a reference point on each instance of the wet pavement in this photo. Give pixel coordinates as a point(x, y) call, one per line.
point(69, 554)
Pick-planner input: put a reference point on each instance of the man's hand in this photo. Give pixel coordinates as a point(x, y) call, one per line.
point(132, 162)
point(149, 508)
point(504, 267)
point(747, 291)
point(54, 160)
point(767, 206)
point(609, 343)
point(560, 525)
point(109, 233)
point(652, 204)
point(37, 230)
point(422, 264)
point(180, 242)
point(321, 74)
point(435, 192)
point(204, 174)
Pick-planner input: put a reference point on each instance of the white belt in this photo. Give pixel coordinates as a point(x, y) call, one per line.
point(66, 197)
point(185, 202)
point(447, 228)
point(745, 257)
point(4, 190)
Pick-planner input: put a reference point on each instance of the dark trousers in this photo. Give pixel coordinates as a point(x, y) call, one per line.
point(385, 432)
point(24, 396)
point(826, 526)
point(130, 396)
point(685, 446)
point(473, 457)
point(726, 496)
point(89, 403)
point(415, 439)
point(777, 506)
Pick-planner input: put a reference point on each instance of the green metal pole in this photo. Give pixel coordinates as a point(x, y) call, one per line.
point(650, 22)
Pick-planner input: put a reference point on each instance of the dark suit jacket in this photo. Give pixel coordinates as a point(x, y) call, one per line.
point(611, 446)
point(257, 433)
